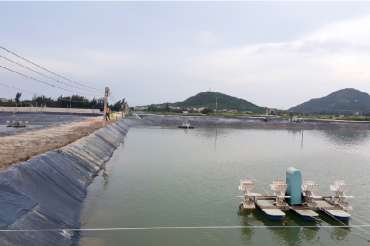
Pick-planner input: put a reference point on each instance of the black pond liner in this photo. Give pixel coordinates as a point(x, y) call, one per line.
point(47, 191)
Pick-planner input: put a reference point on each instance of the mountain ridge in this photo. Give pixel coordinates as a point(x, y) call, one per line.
point(210, 99)
point(346, 101)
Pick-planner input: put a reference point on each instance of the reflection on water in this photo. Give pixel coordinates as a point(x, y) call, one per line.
point(309, 232)
point(346, 136)
point(289, 235)
point(245, 220)
point(176, 177)
point(105, 176)
point(340, 233)
point(336, 135)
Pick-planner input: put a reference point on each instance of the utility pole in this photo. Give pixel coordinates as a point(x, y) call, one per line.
point(106, 95)
point(216, 105)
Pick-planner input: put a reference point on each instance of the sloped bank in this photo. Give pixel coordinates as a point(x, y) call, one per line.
point(47, 191)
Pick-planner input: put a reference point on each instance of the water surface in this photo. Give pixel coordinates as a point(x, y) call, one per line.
point(174, 177)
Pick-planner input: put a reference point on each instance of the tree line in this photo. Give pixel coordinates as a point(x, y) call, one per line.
point(74, 101)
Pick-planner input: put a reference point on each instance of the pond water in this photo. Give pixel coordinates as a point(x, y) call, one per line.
point(35, 121)
point(171, 177)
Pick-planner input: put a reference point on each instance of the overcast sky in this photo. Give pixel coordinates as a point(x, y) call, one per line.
point(272, 54)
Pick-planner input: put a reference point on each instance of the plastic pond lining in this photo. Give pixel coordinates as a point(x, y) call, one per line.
point(48, 190)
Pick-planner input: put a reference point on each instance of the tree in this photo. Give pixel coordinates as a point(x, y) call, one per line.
point(206, 111)
point(167, 107)
point(291, 116)
point(122, 105)
point(17, 97)
point(76, 101)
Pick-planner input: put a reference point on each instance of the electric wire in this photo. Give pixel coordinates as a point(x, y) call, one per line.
point(16, 88)
point(46, 69)
point(35, 79)
point(40, 81)
point(37, 72)
point(225, 227)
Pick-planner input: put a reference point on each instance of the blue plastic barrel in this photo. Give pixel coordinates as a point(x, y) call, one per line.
point(294, 189)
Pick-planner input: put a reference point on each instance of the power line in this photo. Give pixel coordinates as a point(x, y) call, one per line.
point(16, 88)
point(35, 71)
point(35, 79)
point(46, 69)
point(42, 81)
point(227, 227)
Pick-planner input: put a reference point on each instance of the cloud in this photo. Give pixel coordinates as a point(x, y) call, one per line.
point(352, 33)
point(336, 55)
point(205, 38)
point(277, 74)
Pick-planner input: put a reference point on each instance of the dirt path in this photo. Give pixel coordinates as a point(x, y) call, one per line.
point(23, 146)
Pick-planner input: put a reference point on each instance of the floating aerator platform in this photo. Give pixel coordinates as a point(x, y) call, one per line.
point(297, 196)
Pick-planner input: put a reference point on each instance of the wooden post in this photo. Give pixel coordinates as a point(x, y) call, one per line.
point(106, 95)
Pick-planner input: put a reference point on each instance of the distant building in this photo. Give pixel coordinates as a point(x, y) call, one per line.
point(4, 100)
point(199, 109)
point(140, 108)
point(270, 111)
point(174, 108)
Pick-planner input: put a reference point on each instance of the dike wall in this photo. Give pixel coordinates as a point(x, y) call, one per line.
point(47, 191)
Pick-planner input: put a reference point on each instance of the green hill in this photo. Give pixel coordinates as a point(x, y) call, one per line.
point(224, 102)
point(346, 101)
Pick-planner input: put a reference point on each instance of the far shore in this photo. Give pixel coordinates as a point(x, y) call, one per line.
point(245, 121)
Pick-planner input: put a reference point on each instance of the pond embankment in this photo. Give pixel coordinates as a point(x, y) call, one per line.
point(22, 146)
point(44, 194)
point(245, 122)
